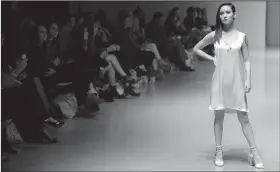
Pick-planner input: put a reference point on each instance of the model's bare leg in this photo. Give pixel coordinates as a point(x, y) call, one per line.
point(218, 130)
point(254, 158)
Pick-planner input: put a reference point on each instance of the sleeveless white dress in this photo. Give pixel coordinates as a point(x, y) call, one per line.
point(228, 81)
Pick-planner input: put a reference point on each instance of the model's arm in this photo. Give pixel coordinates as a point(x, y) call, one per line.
point(208, 39)
point(245, 53)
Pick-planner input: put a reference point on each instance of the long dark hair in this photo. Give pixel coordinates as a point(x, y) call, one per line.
point(27, 29)
point(101, 16)
point(219, 26)
point(171, 15)
point(50, 23)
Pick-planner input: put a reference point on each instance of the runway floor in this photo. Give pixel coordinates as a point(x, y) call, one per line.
point(168, 128)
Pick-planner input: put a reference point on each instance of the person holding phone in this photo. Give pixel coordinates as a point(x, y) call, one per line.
point(9, 90)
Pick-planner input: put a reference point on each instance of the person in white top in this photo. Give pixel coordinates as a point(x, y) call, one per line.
point(231, 80)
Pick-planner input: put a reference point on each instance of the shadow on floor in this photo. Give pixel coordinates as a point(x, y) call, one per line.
point(236, 154)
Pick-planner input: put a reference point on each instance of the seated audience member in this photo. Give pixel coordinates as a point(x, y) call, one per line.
point(141, 17)
point(137, 28)
point(62, 66)
point(199, 20)
point(172, 23)
point(193, 28)
point(156, 33)
point(204, 17)
point(66, 41)
point(101, 16)
point(27, 29)
point(131, 54)
point(200, 32)
point(155, 30)
point(97, 56)
point(9, 84)
point(173, 46)
point(67, 77)
point(80, 19)
point(189, 20)
point(105, 43)
point(37, 107)
point(68, 73)
point(78, 26)
point(146, 45)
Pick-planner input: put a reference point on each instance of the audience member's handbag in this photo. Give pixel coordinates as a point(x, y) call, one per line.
point(68, 104)
point(13, 136)
point(92, 103)
point(105, 93)
point(90, 107)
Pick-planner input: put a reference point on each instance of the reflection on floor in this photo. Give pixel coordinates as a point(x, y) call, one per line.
point(168, 128)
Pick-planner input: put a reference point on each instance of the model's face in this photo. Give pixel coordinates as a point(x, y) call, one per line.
point(54, 30)
point(226, 15)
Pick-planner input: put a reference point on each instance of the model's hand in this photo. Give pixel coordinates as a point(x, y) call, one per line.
point(248, 86)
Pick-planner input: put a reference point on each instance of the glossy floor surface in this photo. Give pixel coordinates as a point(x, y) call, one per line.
point(168, 128)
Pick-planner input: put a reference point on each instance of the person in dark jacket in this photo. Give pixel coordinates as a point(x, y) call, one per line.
point(131, 54)
point(37, 107)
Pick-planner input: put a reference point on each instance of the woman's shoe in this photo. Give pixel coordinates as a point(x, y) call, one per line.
point(92, 103)
point(129, 80)
point(255, 159)
point(116, 93)
point(129, 90)
point(219, 156)
point(56, 124)
point(159, 74)
point(140, 72)
point(106, 95)
point(187, 68)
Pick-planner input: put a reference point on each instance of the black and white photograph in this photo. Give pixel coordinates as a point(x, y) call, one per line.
point(140, 85)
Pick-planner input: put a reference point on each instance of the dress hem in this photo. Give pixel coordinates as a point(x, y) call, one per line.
point(229, 110)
